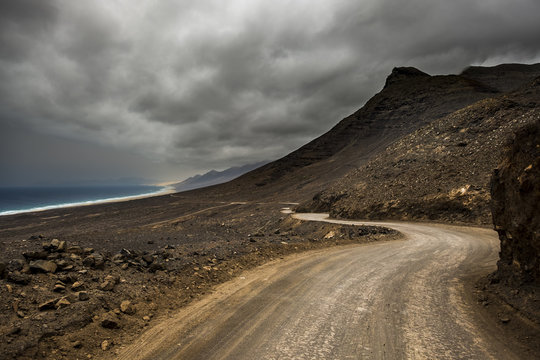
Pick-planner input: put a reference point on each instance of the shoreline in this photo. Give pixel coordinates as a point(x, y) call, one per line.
point(164, 191)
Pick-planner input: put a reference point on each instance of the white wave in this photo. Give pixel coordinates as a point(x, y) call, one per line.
point(162, 191)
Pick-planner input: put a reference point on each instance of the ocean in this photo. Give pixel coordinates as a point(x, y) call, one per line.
point(14, 200)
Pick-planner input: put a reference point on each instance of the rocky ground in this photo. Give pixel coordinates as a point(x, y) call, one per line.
point(79, 297)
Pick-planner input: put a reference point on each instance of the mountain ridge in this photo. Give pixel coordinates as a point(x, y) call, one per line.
point(409, 100)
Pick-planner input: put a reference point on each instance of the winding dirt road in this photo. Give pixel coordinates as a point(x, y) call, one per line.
point(390, 300)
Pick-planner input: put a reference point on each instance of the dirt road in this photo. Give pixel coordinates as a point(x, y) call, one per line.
point(389, 300)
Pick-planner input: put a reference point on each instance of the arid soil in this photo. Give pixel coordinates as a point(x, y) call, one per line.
point(70, 293)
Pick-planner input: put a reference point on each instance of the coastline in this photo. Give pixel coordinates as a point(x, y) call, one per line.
point(164, 191)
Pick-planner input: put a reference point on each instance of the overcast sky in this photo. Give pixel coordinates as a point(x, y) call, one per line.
point(165, 89)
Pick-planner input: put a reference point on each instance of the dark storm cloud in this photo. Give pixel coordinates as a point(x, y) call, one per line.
point(214, 84)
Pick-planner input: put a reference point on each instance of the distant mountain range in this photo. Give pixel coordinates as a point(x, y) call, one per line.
point(214, 177)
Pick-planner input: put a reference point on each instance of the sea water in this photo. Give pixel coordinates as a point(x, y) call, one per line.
point(16, 200)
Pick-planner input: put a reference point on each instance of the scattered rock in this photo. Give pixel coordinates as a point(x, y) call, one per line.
point(146, 318)
point(77, 344)
point(63, 302)
point(43, 266)
point(55, 245)
point(148, 258)
point(75, 257)
point(124, 266)
point(2, 268)
point(89, 261)
point(150, 242)
point(330, 235)
point(126, 253)
point(62, 264)
point(47, 305)
point(59, 288)
point(107, 285)
point(505, 320)
point(82, 295)
point(105, 345)
point(127, 308)
point(77, 285)
point(61, 246)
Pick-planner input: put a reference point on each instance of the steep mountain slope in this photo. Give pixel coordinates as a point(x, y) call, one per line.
point(409, 100)
point(214, 177)
point(439, 172)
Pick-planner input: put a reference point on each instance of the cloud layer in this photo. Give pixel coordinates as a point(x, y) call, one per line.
point(211, 84)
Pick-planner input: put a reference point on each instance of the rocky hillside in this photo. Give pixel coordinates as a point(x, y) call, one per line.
point(439, 172)
point(409, 100)
point(516, 207)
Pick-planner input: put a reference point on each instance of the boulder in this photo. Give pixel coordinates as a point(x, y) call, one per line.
point(94, 260)
point(43, 266)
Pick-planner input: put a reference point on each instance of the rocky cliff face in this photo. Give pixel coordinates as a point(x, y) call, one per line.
point(515, 191)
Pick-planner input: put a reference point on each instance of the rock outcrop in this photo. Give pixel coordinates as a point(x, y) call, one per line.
point(515, 191)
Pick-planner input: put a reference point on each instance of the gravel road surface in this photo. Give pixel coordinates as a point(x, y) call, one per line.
point(402, 299)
